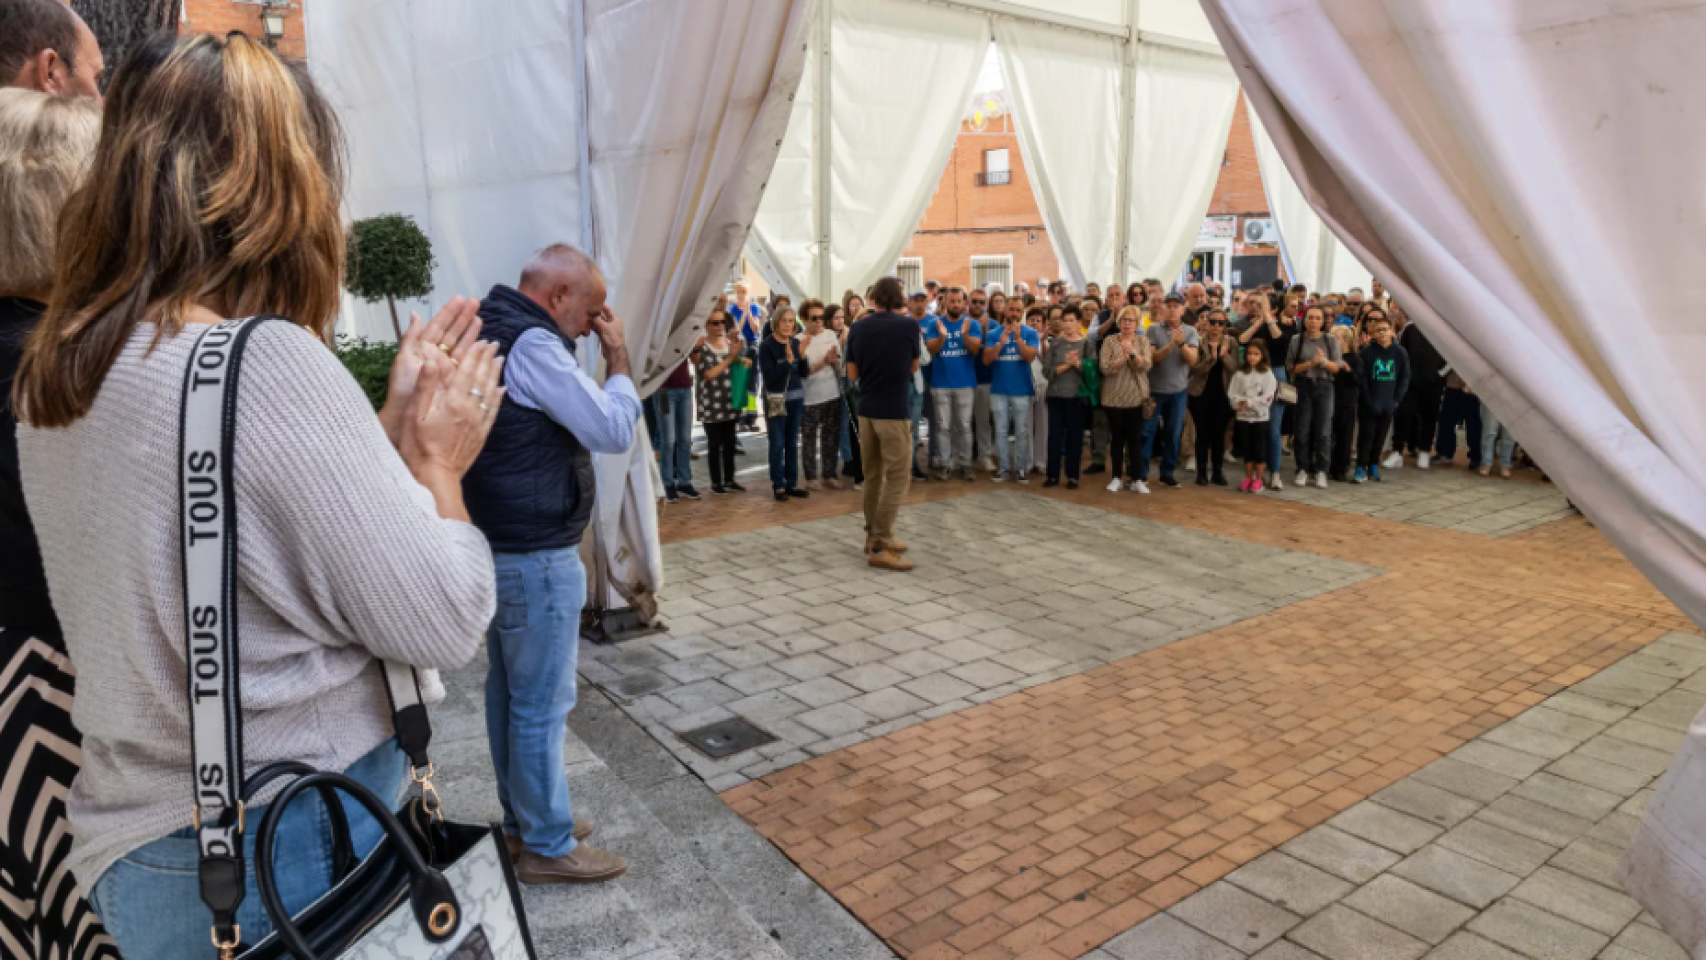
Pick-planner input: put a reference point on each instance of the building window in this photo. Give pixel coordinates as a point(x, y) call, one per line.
point(910, 270)
point(988, 270)
point(996, 169)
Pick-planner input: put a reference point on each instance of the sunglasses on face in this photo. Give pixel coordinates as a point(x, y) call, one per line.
point(815, 318)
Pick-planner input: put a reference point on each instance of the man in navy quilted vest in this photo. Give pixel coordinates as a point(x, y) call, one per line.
point(531, 493)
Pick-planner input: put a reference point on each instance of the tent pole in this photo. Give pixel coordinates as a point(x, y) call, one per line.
point(821, 160)
point(583, 119)
point(1128, 121)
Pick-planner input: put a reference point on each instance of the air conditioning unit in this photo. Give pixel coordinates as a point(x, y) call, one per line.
point(1261, 231)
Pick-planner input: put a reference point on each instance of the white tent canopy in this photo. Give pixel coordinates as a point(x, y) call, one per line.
point(1123, 109)
point(1313, 256)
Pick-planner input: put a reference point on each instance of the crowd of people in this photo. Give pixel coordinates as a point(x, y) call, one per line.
point(1014, 386)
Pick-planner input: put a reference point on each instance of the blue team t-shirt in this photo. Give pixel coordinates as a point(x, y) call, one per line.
point(1011, 372)
point(952, 367)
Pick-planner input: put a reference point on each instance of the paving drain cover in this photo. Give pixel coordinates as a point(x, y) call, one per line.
point(726, 738)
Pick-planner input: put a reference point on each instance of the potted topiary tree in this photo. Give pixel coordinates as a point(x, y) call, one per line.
point(388, 258)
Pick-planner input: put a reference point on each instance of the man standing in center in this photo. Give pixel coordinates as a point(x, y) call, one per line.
point(953, 341)
point(531, 493)
point(882, 355)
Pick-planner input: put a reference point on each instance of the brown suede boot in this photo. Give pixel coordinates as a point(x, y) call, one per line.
point(885, 559)
point(583, 864)
point(894, 546)
point(583, 829)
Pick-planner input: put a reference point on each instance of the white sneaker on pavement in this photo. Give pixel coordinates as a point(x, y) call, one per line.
point(1140, 487)
point(1321, 480)
point(1393, 461)
point(1274, 483)
point(1114, 485)
point(1421, 461)
point(1302, 478)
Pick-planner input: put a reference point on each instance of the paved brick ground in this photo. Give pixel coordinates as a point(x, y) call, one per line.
point(1506, 848)
point(788, 628)
point(1049, 821)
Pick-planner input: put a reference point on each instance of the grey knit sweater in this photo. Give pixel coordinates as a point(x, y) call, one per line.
point(341, 556)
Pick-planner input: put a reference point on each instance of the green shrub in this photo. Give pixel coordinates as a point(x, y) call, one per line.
point(388, 258)
point(370, 364)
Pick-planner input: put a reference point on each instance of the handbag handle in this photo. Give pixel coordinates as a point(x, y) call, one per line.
point(431, 898)
point(344, 859)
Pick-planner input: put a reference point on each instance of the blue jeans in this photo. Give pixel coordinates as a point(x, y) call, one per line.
point(675, 436)
point(1495, 438)
point(1276, 427)
point(1012, 413)
point(649, 407)
point(1169, 416)
point(785, 446)
point(846, 429)
point(150, 900)
point(915, 411)
point(532, 647)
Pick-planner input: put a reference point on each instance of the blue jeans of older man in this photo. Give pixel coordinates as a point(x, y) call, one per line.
point(533, 647)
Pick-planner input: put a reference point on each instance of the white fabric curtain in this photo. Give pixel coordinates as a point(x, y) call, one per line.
point(468, 115)
point(902, 73)
point(1065, 90)
point(681, 142)
point(1509, 170)
point(1305, 241)
point(1183, 117)
point(454, 114)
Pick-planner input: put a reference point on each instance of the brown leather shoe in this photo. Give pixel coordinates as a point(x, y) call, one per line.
point(583, 864)
point(889, 560)
point(583, 829)
point(893, 546)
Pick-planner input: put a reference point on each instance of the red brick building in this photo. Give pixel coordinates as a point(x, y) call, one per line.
point(984, 216)
point(224, 16)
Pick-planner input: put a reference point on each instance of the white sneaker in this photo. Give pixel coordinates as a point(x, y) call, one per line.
point(1393, 461)
point(1321, 480)
point(1421, 461)
point(997, 477)
point(1023, 478)
point(1140, 487)
point(1274, 483)
point(1114, 485)
point(1302, 478)
point(1190, 464)
point(988, 465)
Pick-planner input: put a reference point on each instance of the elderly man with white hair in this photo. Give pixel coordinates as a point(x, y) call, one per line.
point(531, 493)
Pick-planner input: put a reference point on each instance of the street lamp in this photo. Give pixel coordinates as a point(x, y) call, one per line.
point(272, 24)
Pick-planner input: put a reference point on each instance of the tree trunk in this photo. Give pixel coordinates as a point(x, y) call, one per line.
point(120, 24)
point(396, 329)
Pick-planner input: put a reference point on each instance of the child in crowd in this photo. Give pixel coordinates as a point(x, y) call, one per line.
point(1252, 394)
point(716, 358)
point(1385, 380)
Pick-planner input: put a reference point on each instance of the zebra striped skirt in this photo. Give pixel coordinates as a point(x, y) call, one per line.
point(43, 915)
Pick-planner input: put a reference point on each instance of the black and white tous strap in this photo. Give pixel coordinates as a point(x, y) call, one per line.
point(208, 521)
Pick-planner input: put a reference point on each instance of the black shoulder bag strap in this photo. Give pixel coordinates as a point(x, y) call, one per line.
point(208, 525)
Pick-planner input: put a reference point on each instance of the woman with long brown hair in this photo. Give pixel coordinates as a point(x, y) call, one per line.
point(214, 195)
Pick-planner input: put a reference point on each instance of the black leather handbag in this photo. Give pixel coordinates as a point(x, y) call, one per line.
point(431, 889)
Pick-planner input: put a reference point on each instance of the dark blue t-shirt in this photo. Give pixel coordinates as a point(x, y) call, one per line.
point(985, 372)
point(952, 367)
point(883, 346)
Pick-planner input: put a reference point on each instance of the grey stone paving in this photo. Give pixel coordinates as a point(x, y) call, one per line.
point(788, 628)
point(1452, 498)
point(1448, 497)
point(1503, 850)
point(702, 885)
